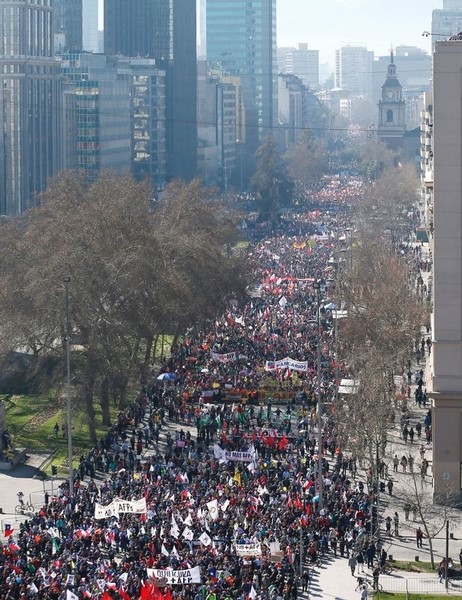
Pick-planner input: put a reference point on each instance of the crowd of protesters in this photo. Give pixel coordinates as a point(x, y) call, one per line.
point(247, 478)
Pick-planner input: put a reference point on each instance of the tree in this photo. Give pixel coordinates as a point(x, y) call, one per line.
point(433, 516)
point(307, 162)
point(270, 181)
point(384, 313)
point(136, 270)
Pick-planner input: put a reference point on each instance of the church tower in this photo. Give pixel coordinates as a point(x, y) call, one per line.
point(392, 110)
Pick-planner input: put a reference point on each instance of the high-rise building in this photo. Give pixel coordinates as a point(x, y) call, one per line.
point(302, 62)
point(148, 143)
point(90, 25)
point(241, 41)
point(67, 25)
point(97, 125)
point(447, 21)
point(164, 30)
point(353, 70)
point(30, 103)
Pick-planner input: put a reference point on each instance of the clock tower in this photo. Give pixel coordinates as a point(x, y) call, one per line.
point(392, 109)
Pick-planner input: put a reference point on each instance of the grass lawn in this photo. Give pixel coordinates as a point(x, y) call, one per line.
point(413, 566)
point(30, 420)
point(387, 595)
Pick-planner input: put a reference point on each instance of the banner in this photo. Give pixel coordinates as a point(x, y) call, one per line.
point(230, 357)
point(286, 363)
point(253, 549)
point(169, 577)
point(118, 506)
point(225, 455)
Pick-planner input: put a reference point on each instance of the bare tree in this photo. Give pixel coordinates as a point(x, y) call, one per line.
point(136, 270)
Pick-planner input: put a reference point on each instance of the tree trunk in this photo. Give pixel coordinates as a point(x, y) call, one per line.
point(104, 400)
point(123, 384)
point(144, 366)
point(90, 409)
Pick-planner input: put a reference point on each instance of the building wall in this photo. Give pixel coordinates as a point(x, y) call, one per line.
point(446, 358)
point(90, 25)
point(67, 25)
point(353, 70)
point(302, 62)
point(164, 30)
point(446, 22)
point(241, 41)
point(30, 104)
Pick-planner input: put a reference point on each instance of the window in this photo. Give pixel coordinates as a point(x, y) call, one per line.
point(389, 116)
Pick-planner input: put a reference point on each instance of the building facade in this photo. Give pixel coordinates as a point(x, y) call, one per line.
point(97, 119)
point(445, 373)
point(446, 21)
point(302, 62)
point(353, 70)
point(67, 25)
point(147, 105)
point(30, 104)
point(90, 25)
point(241, 41)
point(164, 30)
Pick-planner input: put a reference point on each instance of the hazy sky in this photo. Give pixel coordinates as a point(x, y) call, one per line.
point(329, 24)
point(377, 24)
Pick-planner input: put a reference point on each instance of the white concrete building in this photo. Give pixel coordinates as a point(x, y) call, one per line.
point(353, 70)
point(445, 376)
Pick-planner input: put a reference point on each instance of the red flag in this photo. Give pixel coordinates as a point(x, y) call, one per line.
point(106, 596)
point(283, 443)
point(149, 591)
point(123, 594)
point(8, 530)
point(168, 595)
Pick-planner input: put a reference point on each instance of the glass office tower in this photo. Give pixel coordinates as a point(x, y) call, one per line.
point(164, 30)
point(241, 41)
point(30, 103)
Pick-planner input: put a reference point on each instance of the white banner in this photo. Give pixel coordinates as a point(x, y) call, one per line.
point(286, 363)
point(253, 549)
point(229, 357)
point(170, 577)
point(248, 456)
point(118, 506)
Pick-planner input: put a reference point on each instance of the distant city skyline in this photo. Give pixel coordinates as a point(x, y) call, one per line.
point(330, 24)
point(376, 24)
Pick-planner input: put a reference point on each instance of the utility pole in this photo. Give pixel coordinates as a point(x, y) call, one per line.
point(317, 287)
point(66, 281)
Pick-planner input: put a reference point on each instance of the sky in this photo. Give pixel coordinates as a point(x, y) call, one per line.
point(378, 24)
point(329, 24)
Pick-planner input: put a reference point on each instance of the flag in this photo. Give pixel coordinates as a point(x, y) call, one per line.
point(213, 509)
point(252, 593)
point(205, 539)
point(71, 596)
point(106, 596)
point(168, 595)
point(164, 551)
point(8, 530)
point(123, 594)
point(54, 546)
point(188, 534)
point(149, 591)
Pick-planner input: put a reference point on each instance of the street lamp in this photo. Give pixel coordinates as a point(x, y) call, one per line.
point(317, 287)
point(66, 281)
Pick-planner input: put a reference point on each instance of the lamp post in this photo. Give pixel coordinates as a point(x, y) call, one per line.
point(66, 281)
point(317, 287)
